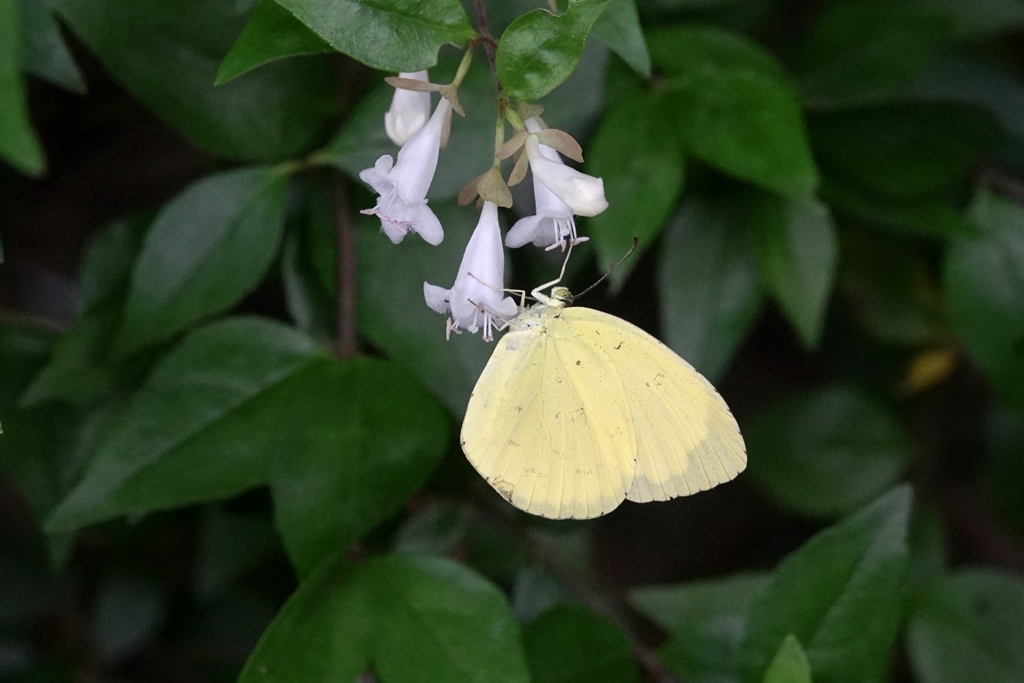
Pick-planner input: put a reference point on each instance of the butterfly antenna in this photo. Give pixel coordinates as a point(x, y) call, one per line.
point(611, 270)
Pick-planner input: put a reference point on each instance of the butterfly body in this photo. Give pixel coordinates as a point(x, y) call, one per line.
point(578, 410)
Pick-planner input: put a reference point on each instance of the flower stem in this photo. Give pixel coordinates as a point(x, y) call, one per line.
point(346, 265)
point(489, 42)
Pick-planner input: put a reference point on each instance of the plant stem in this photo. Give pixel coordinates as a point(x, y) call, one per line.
point(346, 266)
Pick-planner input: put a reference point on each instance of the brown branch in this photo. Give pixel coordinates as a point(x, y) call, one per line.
point(1002, 182)
point(489, 43)
point(978, 528)
point(346, 269)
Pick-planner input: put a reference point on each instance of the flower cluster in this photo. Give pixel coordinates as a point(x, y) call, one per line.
point(477, 301)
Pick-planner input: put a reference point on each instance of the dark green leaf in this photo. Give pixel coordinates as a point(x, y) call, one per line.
point(229, 546)
point(570, 644)
point(680, 49)
point(826, 452)
point(400, 615)
point(44, 52)
point(868, 51)
point(438, 528)
point(707, 277)
point(539, 49)
point(18, 143)
point(400, 35)
point(637, 154)
point(969, 627)
point(707, 620)
point(747, 124)
point(128, 612)
point(980, 18)
point(619, 27)
point(206, 249)
point(374, 436)
point(790, 664)
point(796, 249)
point(841, 594)
point(188, 433)
point(984, 278)
point(167, 54)
point(1003, 467)
point(925, 217)
point(272, 33)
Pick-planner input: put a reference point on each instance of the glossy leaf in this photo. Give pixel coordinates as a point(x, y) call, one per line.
point(707, 277)
point(708, 622)
point(570, 644)
point(206, 249)
point(841, 594)
point(968, 627)
point(984, 278)
point(826, 452)
point(18, 143)
point(539, 50)
point(402, 35)
point(790, 664)
point(797, 251)
point(272, 33)
point(619, 28)
point(44, 52)
point(636, 153)
point(187, 435)
point(374, 435)
point(167, 54)
point(401, 615)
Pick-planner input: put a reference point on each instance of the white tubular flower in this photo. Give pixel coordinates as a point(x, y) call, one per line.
point(402, 205)
point(584, 194)
point(553, 225)
point(475, 300)
point(409, 110)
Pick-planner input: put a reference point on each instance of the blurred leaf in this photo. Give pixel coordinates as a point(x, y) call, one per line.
point(790, 664)
point(708, 622)
point(436, 529)
point(401, 35)
point(733, 114)
point(845, 577)
point(969, 627)
point(868, 51)
point(535, 591)
point(984, 279)
point(167, 54)
point(271, 34)
point(682, 48)
point(374, 437)
point(1003, 467)
point(929, 551)
point(206, 249)
point(826, 452)
point(229, 545)
point(925, 217)
point(128, 612)
point(18, 142)
point(636, 153)
point(188, 433)
point(619, 27)
point(796, 248)
point(400, 614)
point(903, 152)
point(44, 52)
point(570, 644)
point(539, 50)
point(980, 18)
point(707, 278)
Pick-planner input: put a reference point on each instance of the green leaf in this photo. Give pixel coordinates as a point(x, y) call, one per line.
point(845, 577)
point(707, 278)
point(826, 452)
point(682, 48)
point(167, 54)
point(570, 644)
point(400, 615)
point(708, 622)
point(984, 284)
point(868, 51)
point(1002, 468)
point(400, 35)
point(924, 217)
point(206, 249)
point(18, 143)
point(271, 34)
point(637, 155)
point(969, 627)
point(797, 251)
point(790, 664)
point(229, 546)
point(619, 28)
point(188, 434)
point(539, 50)
point(374, 437)
point(744, 122)
point(45, 53)
point(981, 18)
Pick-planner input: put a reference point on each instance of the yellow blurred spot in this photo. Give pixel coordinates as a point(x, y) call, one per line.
point(927, 369)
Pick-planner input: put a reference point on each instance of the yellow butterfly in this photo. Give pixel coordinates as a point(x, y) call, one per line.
point(577, 410)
